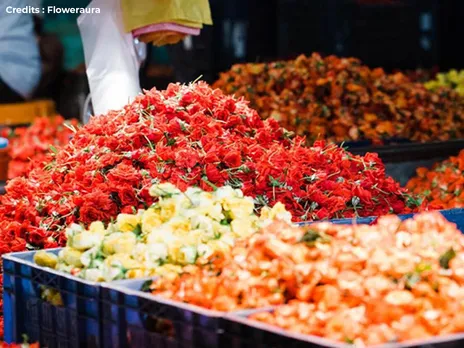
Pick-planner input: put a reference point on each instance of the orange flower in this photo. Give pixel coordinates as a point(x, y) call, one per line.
point(339, 99)
point(443, 185)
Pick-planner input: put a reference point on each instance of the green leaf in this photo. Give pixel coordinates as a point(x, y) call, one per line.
point(261, 200)
point(146, 286)
point(137, 230)
point(422, 267)
point(313, 236)
point(209, 183)
point(446, 258)
point(349, 340)
point(274, 182)
point(53, 149)
point(225, 222)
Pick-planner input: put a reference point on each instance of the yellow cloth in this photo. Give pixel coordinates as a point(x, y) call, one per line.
point(141, 13)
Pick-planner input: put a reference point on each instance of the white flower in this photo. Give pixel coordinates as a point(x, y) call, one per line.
point(72, 230)
point(88, 256)
point(86, 240)
point(93, 275)
point(204, 250)
point(110, 273)
point(164, 190)
point(190, 253)
point(202, 222)
point(156, 252)
point(162, 234)
point(225, 192)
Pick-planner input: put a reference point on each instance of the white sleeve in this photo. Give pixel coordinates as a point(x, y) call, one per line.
point(110, 56)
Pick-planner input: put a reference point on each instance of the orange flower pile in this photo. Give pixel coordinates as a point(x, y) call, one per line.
point(357, 283)
point(339, 99)
point(443, 185)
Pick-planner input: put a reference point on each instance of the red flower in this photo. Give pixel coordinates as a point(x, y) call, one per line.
point(89, 213)
point(233, 159)
point(213, 174)
point(127, 196)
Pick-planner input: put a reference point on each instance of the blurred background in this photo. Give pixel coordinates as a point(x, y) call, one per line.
point(393, 34)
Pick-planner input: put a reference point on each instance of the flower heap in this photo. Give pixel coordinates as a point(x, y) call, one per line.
point(339, 99)
point(189, 136)
point(368, 285)
point(30, 146)
point(443, 185)
point(178, 229)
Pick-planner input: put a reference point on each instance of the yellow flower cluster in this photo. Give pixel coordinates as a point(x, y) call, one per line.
point(453, 79)
point(175, 231)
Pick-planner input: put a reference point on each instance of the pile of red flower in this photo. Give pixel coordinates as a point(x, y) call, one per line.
point(443, 185)
point(340, 99)
point(189, 135)
point(30, 146)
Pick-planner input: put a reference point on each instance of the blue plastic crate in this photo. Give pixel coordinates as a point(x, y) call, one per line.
point(75, 324)
point(241, 332)
point(140, 319)
point(452, 215)
point(112, 314)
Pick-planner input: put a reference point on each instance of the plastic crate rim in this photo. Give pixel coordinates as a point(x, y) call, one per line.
point(242, 318)
point(16, 257)
point(323, 342)
point(350, 221)
point(162, 300)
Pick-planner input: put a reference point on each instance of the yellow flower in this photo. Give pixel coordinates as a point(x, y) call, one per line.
point(182, 254)
point(45, 259)
point(123, 260)
point(119, 243)
point(162, 234)
point(85, 240)
point(239, 208)
point(278, 212)
point(168, 210)
point(219, 245)
point(243, 227)
point(97, 227)
point(150, 220)
point(127, 222)
point(125, 244)
point(71, 257)
point(135, 273)
point(166, 269)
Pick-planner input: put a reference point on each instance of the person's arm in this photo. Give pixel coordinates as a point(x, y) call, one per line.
point(19, 54)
